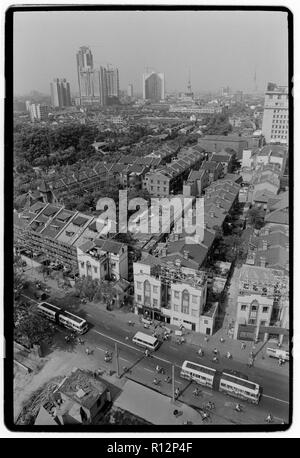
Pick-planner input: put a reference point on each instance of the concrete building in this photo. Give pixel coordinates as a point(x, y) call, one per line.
point(154, 86)
point(173, 292)
point(103, 260)
point(168, 179)
point(99, 81)
point(60, 93)
point(130, 90)
point(217, 143)
point(275, 125)
point(38, 112)
point(112, 82)
point(262, 304)
point(80, 399)
point(85, 73)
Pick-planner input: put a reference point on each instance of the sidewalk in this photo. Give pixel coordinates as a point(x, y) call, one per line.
point(191, 337)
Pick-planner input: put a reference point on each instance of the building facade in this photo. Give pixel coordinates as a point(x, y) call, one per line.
point(60, 93)
point(154, 86)
point(103, 260)
point(275, 125)
point(170, 292)
point(262, 304)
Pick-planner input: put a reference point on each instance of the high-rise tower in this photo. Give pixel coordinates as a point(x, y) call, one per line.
point(60, 93)
point(154, 86)
point(85, 68)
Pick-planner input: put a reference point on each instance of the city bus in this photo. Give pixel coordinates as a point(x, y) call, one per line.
point(62, 317)
point(239, 387)
point(146, 341)
point(200, 374)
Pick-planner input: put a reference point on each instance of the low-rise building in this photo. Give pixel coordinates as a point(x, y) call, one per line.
point(196, 182)
point(214, 169)
point(262, 304)
point(103, 260)
point(217, 143)
point(172, 291)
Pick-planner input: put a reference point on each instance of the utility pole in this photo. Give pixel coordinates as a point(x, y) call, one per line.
point(117, 359)
point(173, 383)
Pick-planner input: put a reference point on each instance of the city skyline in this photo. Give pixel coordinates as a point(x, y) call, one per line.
point(253, 36)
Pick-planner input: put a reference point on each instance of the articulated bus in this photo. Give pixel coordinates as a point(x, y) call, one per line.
point(198, 373)
point(239, 388)
point(144, 340)
point(225, 382)
point(62, 317)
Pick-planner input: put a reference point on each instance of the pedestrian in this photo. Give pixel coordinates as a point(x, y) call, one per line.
point(269, 418)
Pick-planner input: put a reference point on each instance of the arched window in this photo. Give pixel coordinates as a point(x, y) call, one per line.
point(185, 302)
point(147, 292)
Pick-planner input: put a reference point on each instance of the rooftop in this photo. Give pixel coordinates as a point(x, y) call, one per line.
point(82, 388)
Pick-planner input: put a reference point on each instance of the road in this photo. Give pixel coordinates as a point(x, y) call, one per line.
point(106, 331)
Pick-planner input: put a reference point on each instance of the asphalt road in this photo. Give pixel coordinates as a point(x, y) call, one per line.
point(106, 331)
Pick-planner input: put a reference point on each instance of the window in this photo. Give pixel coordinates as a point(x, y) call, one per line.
point(252, 321)
point(243, 307)
point(263, 323)
point(155, 289)
point(194, 299)
point(265, 309)
point(139, 298)
point(194, 312)
point(253, 308)
point(185, 302)
point(176, 294)
point(176, 308)
point(95, 269)
point(82, 265)
point(205, 321)
point(139, 285)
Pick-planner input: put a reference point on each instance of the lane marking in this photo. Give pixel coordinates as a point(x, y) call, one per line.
point(148, 370)
point(275, 399)
point(168, 362)
point(124, 359)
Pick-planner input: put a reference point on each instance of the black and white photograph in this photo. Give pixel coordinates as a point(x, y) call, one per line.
point(148, 182)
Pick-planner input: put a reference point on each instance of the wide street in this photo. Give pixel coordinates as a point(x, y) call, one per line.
point(106, 330)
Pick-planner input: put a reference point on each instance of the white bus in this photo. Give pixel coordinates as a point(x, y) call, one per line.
point(49, 311)
point(145, 340)
point(239, 387)
point(73, 322)
point(61, 316)
point(278, 353)
point(198, 373)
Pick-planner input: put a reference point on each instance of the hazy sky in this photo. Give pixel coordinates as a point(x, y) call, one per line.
point(221, 48)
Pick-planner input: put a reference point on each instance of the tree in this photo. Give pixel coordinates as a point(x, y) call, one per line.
point(256, 217)
point(31, 328)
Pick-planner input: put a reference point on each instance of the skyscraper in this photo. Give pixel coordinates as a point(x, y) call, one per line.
point(85, 73)
point(130, 90)
point(96, 85)
point(112, 82)
point(275, 125)
point(100, 86)
point(154, 86)
point(60, 93)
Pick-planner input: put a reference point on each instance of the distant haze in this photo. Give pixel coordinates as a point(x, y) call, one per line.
point(220, 48)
